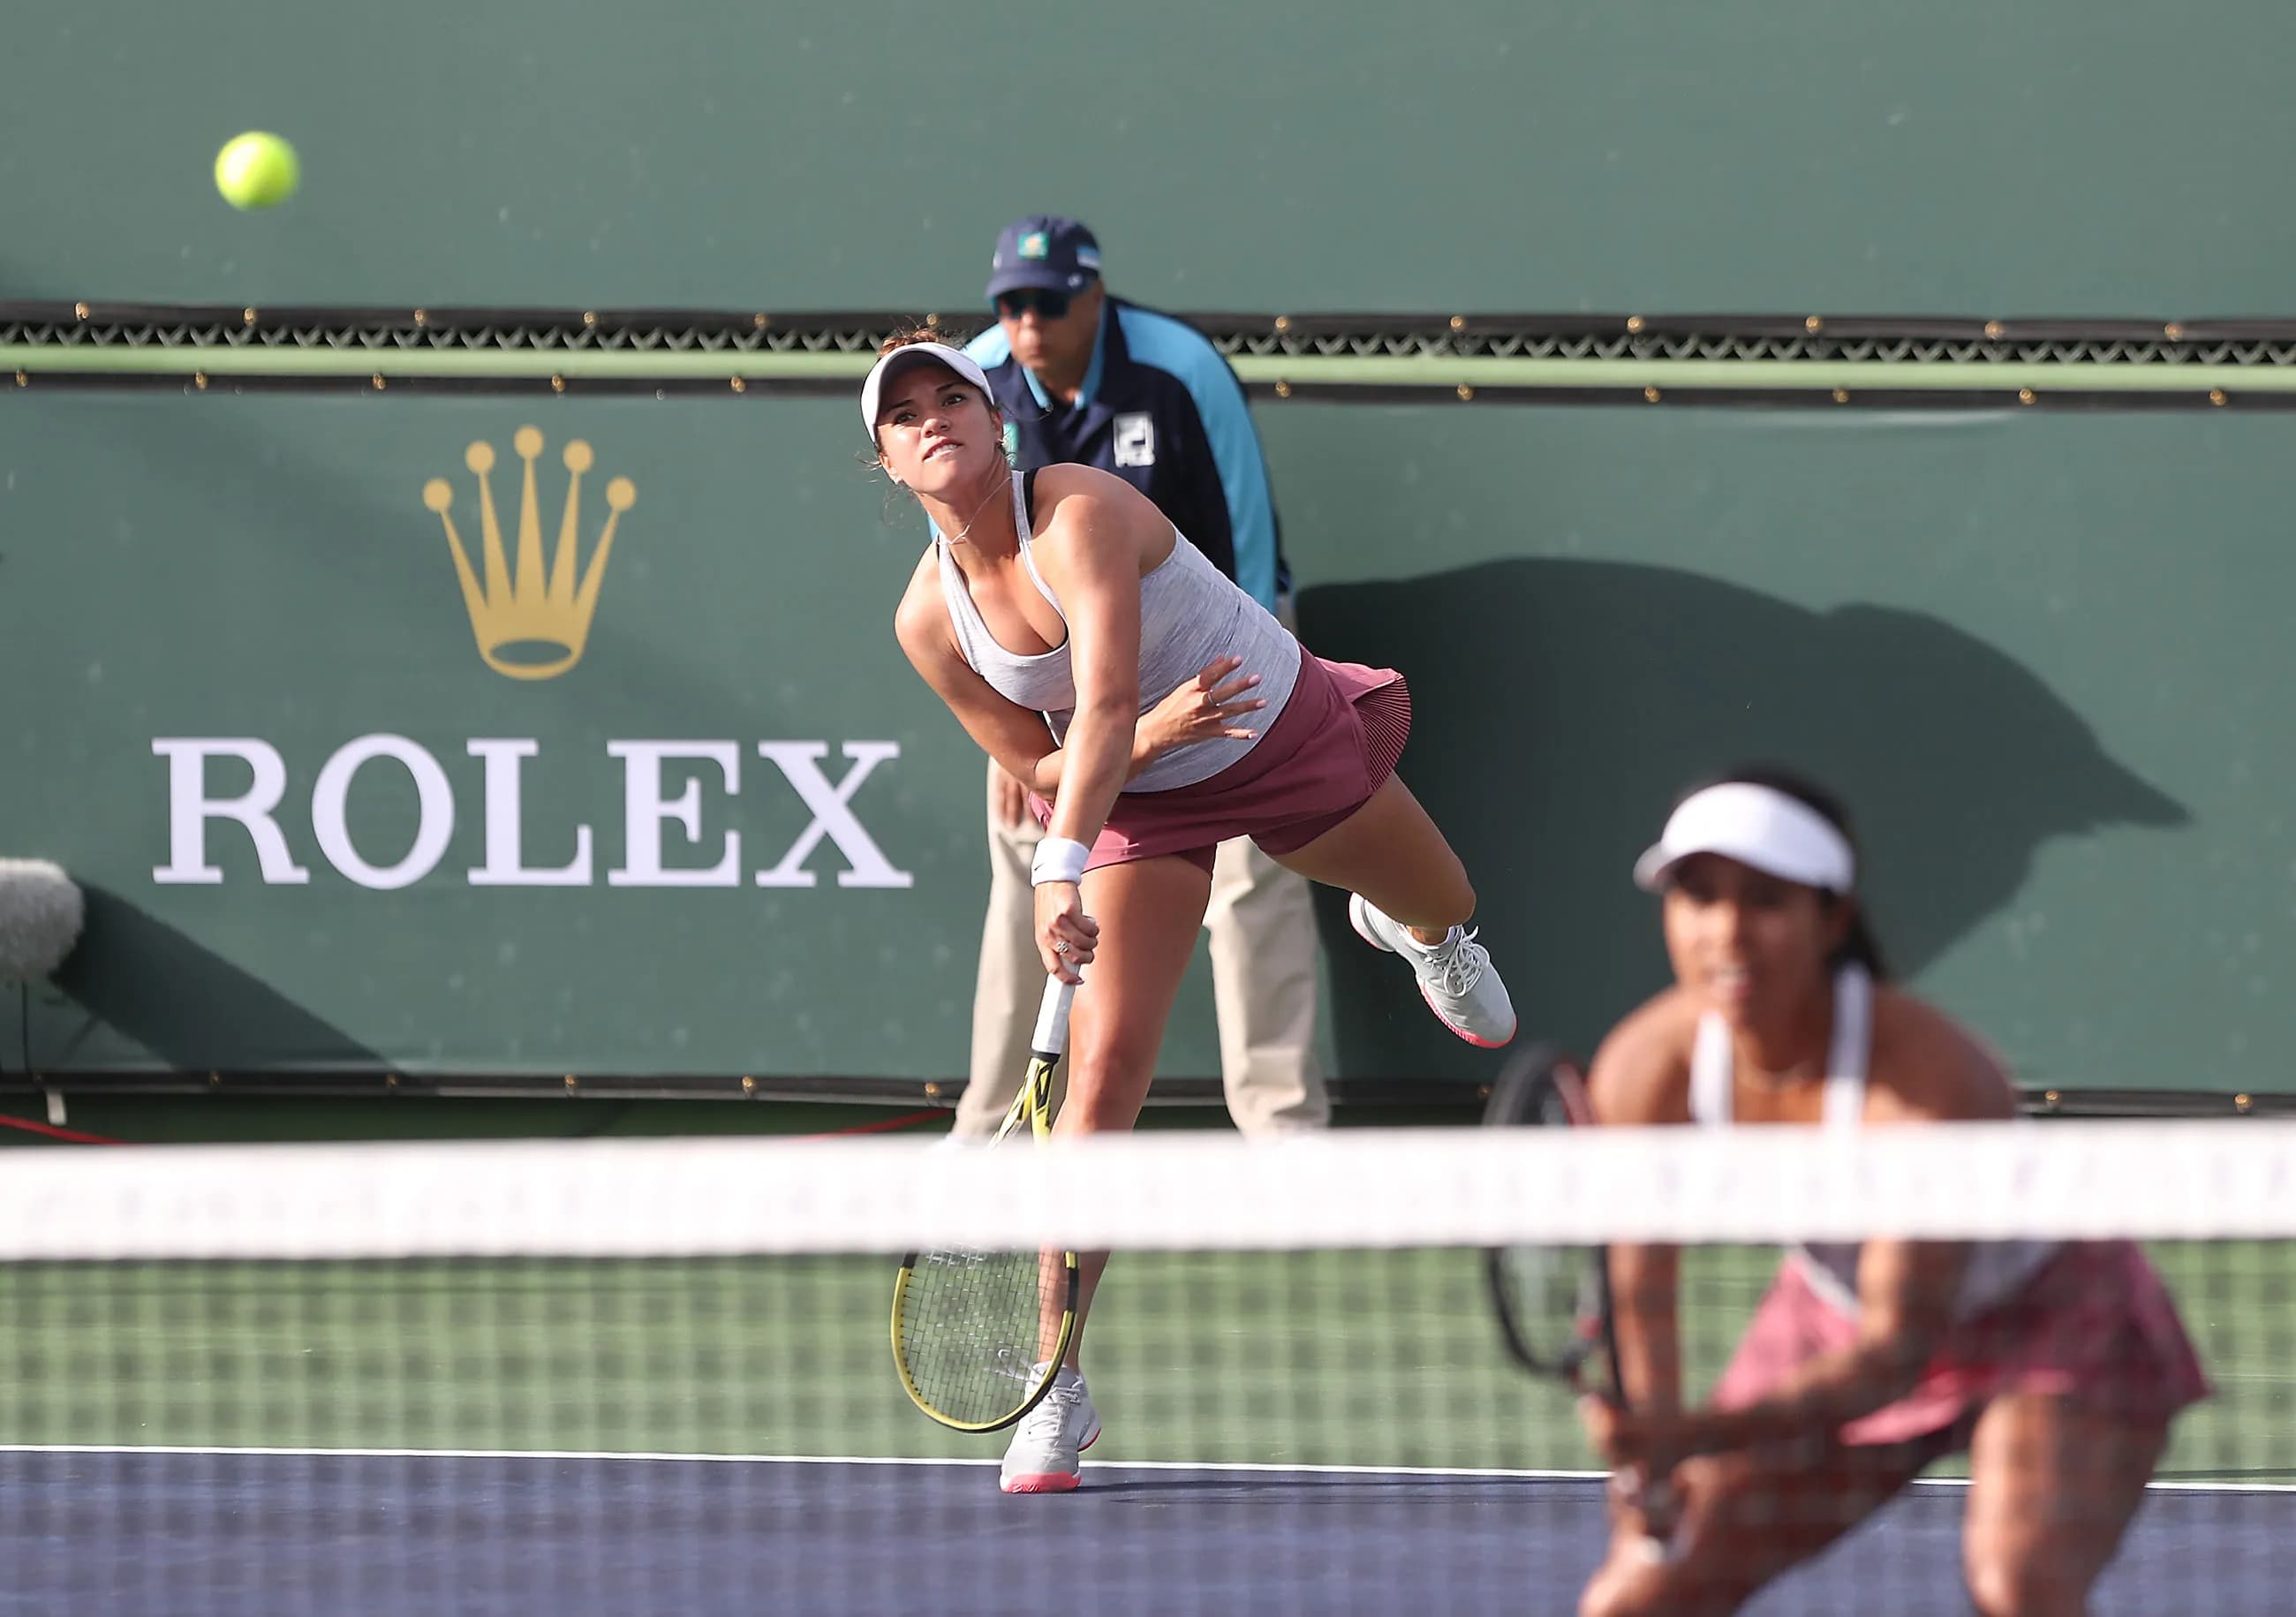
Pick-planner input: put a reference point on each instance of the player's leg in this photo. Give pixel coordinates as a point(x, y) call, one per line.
point(1745, 1518)
point(1411, 897)
point(1262, 921)
point(2052, 1486)
point(1148, 914)
point(1392, 854)
point(1010, 976)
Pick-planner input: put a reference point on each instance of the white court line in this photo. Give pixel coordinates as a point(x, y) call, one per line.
point(1244, 1466)
point(768, 1459)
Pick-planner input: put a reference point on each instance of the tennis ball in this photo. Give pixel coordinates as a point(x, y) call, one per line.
point(256, 170)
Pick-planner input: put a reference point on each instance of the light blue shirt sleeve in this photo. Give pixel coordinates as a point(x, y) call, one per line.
point(1174, 347)
point(989, 349)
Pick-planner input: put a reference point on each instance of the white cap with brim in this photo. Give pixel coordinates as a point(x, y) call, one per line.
point(900, 358)
point(1756, 825)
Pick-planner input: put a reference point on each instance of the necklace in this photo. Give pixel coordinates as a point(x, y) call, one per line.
point(958, 537)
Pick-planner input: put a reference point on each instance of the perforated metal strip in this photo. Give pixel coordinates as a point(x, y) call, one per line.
point(1799, 360)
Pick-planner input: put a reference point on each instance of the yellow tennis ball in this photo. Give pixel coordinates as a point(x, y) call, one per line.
point(256, 170)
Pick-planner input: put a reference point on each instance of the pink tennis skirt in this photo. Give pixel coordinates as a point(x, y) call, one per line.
point(2094, 1324)
point(1335, 743)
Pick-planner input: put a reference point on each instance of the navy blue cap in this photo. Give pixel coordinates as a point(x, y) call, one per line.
point(1044, 251)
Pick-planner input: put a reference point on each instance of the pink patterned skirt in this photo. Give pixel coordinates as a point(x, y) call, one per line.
point(2093, 1323)
point(1335, 743)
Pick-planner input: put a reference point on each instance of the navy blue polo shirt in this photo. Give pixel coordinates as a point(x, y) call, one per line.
point(1161, 409)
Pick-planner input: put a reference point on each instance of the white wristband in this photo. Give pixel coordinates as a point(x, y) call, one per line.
point(1058, 859)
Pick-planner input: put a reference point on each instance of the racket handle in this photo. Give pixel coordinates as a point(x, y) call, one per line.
point(1659, 1509)
point(1052, 1035)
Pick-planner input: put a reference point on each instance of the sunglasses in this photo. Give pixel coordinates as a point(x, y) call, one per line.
point(1048, 305)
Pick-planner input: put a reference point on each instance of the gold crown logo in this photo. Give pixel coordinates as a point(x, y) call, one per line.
point(530, 625)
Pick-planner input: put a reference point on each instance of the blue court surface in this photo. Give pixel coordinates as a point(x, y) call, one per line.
point(188, 1532)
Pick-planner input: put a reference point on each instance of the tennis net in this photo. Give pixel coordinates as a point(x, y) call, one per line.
point(639, 1376)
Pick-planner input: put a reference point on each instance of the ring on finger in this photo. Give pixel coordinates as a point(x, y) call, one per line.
point(1061, 948)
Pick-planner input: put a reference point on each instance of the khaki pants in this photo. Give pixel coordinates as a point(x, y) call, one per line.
point(1264, 986)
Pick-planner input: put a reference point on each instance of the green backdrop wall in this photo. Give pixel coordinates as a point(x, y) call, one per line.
point(2038, 158)
point(2042, 654)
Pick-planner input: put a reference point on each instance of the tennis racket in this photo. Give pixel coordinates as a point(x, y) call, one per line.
point(978, 1336)
point(1553, 1303)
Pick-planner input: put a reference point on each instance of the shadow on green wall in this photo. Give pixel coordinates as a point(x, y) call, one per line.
point(1560, 707)
point(184, 1002)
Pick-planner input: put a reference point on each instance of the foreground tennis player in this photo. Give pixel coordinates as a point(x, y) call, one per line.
point(1052, 612)
point(2057, 1366)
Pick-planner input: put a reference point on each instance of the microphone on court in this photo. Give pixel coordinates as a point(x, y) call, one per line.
point(41, 911)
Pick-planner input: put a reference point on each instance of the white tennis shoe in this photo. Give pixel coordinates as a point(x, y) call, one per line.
point(1454, 976)
point(1043, 1456)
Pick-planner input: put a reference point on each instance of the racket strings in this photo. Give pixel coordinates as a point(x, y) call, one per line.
point(971, 1324)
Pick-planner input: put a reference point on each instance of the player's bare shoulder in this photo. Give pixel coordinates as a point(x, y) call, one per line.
point(1925, 1064)
point(1641, 1075)
point(1083, 507)
point(921, 618)
point(1071, 480)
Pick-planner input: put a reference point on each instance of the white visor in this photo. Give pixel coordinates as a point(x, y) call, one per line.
point(1755, 826)
point(882, 371)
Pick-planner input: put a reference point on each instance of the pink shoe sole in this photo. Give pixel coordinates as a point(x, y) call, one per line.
point(1460, 1033)
point(1049, 1481)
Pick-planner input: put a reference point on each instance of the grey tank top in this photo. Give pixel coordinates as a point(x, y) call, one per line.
point(1190, 613)
point(1996, 1269)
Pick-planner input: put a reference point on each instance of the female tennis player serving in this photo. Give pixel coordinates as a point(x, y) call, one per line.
point(2057, 1366)
point(1157, 711)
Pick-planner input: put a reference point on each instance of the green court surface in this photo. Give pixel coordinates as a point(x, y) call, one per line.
point(1385, 1358)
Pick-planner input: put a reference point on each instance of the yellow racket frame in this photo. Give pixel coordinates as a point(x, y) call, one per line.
point(1032, 1109)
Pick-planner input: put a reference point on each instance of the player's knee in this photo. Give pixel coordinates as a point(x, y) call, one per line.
point(1097, 1115)
point(2003, 1584)
point(1107, 1078)
point(1604, 1596)
point(1628, 1586)
point(1700, 1578)
point(1622, 1598)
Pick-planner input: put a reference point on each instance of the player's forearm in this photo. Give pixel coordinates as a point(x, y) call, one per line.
point(1098, 761)
point(1054, 765)
point(1644, 1282)
point(1649, 1363)
point(1826, 1394)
